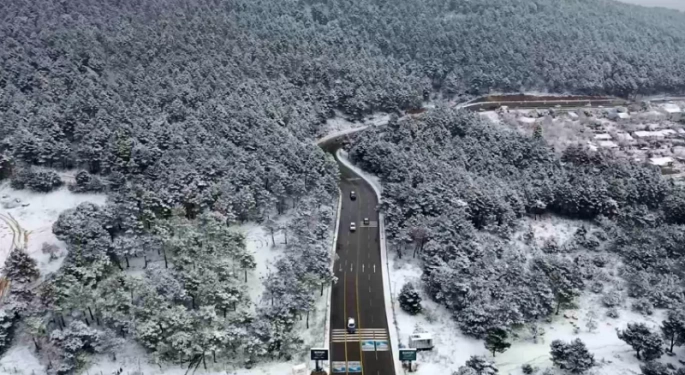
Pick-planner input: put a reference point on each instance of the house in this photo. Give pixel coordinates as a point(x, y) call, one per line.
point(573, 116)
point(665, 163)
point(673, 111)
point(603, 137)
point(645, 135)
point(608, 144)
point(656, 134)
point(622, 117)
point(624, 137)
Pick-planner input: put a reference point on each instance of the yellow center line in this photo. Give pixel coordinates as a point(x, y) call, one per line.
point(356, 287)
point(345, 313)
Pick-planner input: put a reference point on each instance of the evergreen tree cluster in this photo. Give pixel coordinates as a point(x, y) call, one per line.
point(456, 187)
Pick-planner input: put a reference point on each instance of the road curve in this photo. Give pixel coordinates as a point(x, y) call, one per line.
point(358, 292)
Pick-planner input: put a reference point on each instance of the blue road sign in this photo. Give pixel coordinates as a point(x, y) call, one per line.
point(368, 346)
point(353, 367)
point(339, 366)
point(382, 345)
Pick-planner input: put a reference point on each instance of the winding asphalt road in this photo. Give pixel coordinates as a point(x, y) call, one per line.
point(358, 293)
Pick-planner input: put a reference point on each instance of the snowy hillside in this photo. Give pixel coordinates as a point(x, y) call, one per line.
point(36, 212)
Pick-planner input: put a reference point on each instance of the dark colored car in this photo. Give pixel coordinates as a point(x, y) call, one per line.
point(353, 195)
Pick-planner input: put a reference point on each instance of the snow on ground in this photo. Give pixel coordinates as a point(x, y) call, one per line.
point(551, 226)
point(340, 122)
point(527, 120)
point(491, 115)
point(258, 241)
point(260, 244)
point(452, 348)
point(20, 360)
point(36, 212)
point(612, 355)
point(673, 4)
point(133, 362)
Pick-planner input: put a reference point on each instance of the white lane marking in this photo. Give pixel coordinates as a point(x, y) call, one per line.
point(351, 266)
point(362, 267)
point(374, 268)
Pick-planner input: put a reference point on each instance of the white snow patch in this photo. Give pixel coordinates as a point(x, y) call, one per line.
point(20, 360)
point(340, 123)
point(452, 348)
point(266, 253)
point(603, 342)
point(36, 212)
point(527, 120)
point(132, 360)
point(492, 116)
point(258, 241)
point(551, 226)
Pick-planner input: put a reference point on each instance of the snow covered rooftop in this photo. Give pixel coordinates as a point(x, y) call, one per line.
point(608, 144)
point(623, 115)
point(624, 137)
point(672, 108)
point(661, 162)
point(603, 136)
point(654, 134)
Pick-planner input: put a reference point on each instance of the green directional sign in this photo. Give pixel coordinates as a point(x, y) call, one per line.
point(407, 355)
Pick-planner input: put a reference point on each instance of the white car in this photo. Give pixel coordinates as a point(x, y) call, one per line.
point(353, 227)
point(351, 325)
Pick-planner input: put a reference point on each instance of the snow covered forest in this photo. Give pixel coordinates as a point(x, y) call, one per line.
point(457, 188)
point(195, 116)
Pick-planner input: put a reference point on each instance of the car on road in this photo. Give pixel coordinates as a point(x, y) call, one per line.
point(351, 325)
point(353, 195)
point(353, 227)
point(366, 221)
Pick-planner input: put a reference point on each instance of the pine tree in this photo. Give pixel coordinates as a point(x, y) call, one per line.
point(6, 329)
point(496, 341)
point(537, 132)
point(573, 356)
point(20, 267)
point(647, 344)
point(655, 368)
point(410, 301)
point(591, 323)
point(481, 365)
point(673, 329)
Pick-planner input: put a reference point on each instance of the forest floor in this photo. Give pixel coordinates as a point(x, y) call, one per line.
point(35, 212)
point(452, 348)
point(134, 361)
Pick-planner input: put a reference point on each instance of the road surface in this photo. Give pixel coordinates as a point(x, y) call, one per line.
point(358, 293)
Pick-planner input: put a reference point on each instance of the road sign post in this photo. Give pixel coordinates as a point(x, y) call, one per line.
point(407, 356)
point(318, 355)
